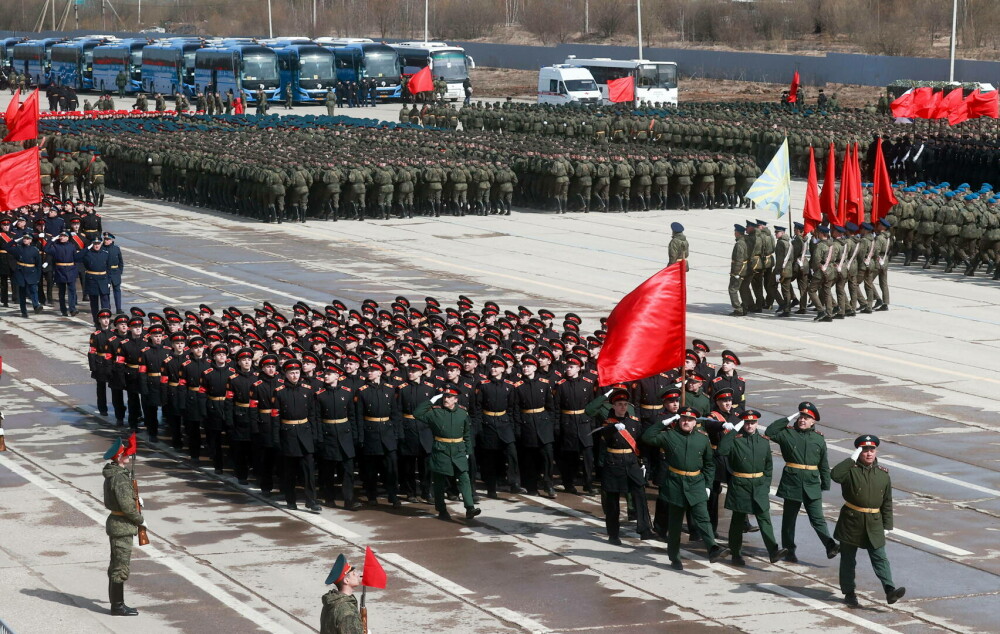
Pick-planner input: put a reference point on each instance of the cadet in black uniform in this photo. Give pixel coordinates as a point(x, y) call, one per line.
point(339, 432)
point(418, 439)
point(377, 416)
point(244, 414)
point(495, 403)
point(570, 399)
point(151, 380)
point(536, 432)
point(218, 407)
point(294, 410)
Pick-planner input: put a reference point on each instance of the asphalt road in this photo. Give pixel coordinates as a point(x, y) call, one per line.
point(225, 559)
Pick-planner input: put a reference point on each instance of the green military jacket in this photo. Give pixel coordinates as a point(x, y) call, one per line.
point(340, 614)
point(678, 249)
point(803, 448)
point(868, 488)
point(738, 268)
point(691, 452)
point(699, 401)
point(120, 499)
point(747, 454)
point(447, 457)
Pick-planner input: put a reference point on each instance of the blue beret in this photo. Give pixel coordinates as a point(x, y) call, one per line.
point(986, 187)
point(944, 184)
point(676, 227)
point(921, 184)
point(739, 229)
point(970, 197)
point(823, 229)
point(963, 186)
point(867, 226)
point(851, 227)
point(949, 194)
point(884, 223)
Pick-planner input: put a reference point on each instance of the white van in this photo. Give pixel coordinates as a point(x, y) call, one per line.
point(565, 83)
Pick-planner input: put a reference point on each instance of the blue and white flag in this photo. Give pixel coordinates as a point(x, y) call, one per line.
point(772, 189)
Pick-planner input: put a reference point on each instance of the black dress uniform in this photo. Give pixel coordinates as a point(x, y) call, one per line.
point(375, 409)
point(534, 419)
point(576, 444)
point(151, 379)
point(128, 358)
point(647, 396)
point(264, 449)
point(495, 403)
point(194, 400)
point(244, 418)
point(339, 432)
point(293, 407)
point(417, 441)
point(100, 358)
point(174, 396)
point(218, 410)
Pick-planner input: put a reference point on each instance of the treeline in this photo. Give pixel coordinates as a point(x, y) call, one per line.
point(885, 27)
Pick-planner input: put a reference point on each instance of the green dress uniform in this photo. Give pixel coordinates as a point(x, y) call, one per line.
point(805, 476)
point(864, 518)
point(340, 614)
point(749, 458)
point(450, 453)
point(690, 471)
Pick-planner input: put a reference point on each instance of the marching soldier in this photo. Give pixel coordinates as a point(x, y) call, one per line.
point(100, 357)
point(865, 517)
point(495, 403)
point(570, 398)
point(151, 362)
point(294, 409)
point(244, 417)
point(739, 274)
point(339, 433)
point(418, 440)
point(536, 432)
point(380, 432)
point(122, 524)
point(805, 476)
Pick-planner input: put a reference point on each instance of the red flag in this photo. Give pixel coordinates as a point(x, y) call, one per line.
point(646, 330)
point(947, 103)
point(15, 101)
point(621, 89)
point(846, 173)
point(131, 446)
point(902, 106)
point(373, 575)
point(983, 104)
point(812, 213)
point(855, 200)
point(793, 90)
point(883, 198)
point(421, 81)
point(959, 112)
point(20, 179)
point(25, 124)
point(923, 102)
point(828, 197)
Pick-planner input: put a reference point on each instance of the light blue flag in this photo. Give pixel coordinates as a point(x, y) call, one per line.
point(772, 189)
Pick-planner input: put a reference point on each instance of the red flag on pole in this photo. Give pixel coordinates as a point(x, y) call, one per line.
point(373, 575)
point(15, 101)
point(883, 198)
point(421, 81)
point(622, 89)
point(20, 179)
point(812, 212)
point(131, 446)
point(947, 103)
point(846, 174)
point(793, 90)
point(828, 197)
point(25, 124)
point(923, 102)
point(959, 111)
point(646, 330)
point(902, 106)
point(856, 200)
point(984, 104)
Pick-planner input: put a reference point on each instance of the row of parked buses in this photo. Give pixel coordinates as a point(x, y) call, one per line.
point(306, 67)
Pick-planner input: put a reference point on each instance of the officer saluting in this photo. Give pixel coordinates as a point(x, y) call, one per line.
point(450, 456)
point(864, 518)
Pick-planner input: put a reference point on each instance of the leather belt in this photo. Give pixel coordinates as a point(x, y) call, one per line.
point(439, 439)
point(376, 419)
point(31, 266)
point(285, 421)
point(684, 473)
point(194, 389)
point(152, 374)
point(136, 367)
point(651, 406)
point(97, 272)
point(242, 404)
point(861, 509)
point(619, 450)
point(113, 267)
point(572, 412)
point(65, 263)
point(118, 513)
point(488, 413)
point(759, 474)
point(264, 411)
point(216, 398)
point(172, 384)
point(807, 467)
point(409, 416)
point(334, 421)
point(537, 410)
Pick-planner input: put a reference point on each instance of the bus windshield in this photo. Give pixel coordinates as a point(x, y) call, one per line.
point(260, 68)
point(580, 85)
point(381, 64)
point(657, 76)
point(136, 64)
point(316, 67)
point(450, 65)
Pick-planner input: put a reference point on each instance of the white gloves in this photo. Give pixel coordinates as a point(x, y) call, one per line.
point(609, 393)
point(143, 524)
point(794, 417)
point(141, 504)
point(708, 491)
point(667, 421)
point(435, 399)
point(728, 426)
point(619, 426)
point(738, 426)
point(856, 454)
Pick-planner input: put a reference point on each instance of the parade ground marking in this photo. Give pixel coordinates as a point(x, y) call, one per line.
point(832, 610)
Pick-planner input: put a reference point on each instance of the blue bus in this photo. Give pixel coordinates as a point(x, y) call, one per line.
point(7, 50)
point(33, 58)
point(307, 70)
point(110, 59)
point(72, 63)
point(359, 58)
point(168, 66)
point(242, 68)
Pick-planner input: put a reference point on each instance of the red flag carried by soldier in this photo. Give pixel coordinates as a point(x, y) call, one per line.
point(646, 330)
point(902, 106)
point(373, 575)
point(793, 90)
point(621, 90)
point(15, 101)
point(883, 198)
point(25, 124)
point(20, 179)
point(812, 213)
point(983, 104)
point(421, 81)
point(828, 197)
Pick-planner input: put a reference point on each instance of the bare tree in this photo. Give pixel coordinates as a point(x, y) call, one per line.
point(610, 16)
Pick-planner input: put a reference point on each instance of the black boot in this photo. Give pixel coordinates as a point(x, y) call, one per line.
point(118, 607)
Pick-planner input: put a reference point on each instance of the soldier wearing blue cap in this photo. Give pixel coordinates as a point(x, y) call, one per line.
point(340, 608)
point(865, 517)
point(866, 270)
point(739, 274)
point(784, 270)
point(116, 265)
point(800, 267)
point(820, 269)
point(121, 499)
point(883, 243)
point(852, 243)
point(678, 247)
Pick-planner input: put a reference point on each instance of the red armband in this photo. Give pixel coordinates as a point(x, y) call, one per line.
point(229, 394)
point(202, 390)
point(182, 382)
point(164, 379)
point(107, 356)
point(142, 369)
point(93, 350)
point(253, 403)
point(119, 359)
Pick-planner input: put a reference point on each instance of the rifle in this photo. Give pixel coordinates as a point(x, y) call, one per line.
point(3, 441)
point(364, 610)
point(143, 535)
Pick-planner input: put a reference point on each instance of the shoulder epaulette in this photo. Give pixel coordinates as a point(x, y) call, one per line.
point(362, 388)
point(206, 370)
point(186, 361)
point(403, 384)
point(560, 381)
point(258, 383)
point(587, 379)
point(344, 387)
point(483, 381)
point(543, 379)
point(883, 468)
point(232, 376)
point(97, 332)
point(320, 391)
point(463, 407)
point(279, 388)
point(519, 384)
point(716, 379)
point(145, 349)
point(817, 431)
point(702, 431)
